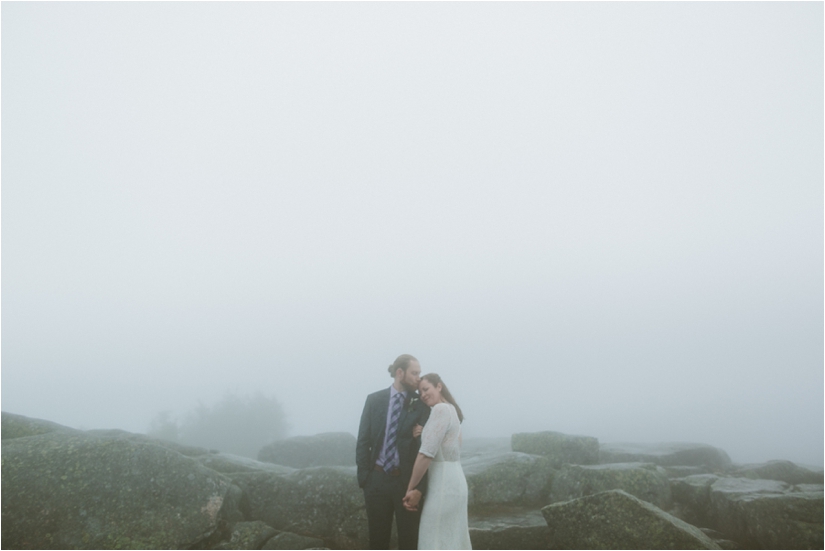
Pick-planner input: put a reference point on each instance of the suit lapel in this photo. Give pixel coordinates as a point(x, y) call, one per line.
point(381, 407)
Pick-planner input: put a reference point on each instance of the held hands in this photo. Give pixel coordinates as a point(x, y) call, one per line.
point(411, 500)
point(417, 430)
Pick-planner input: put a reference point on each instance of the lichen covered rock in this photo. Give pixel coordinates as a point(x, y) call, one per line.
point(73, 490)
point(618, 520)
point(323, 502)
point(559, 448)
point(327, 449)
point(508, 478)
point(667, 454)
point(646, 481)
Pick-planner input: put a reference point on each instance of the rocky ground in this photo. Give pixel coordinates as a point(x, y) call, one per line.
point(70, 489)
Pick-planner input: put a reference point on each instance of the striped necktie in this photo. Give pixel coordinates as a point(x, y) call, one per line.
point(392, 435)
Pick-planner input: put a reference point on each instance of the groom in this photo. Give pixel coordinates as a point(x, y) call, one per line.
point(386, 451)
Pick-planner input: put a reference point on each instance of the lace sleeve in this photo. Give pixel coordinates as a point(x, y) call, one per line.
point(435, 429)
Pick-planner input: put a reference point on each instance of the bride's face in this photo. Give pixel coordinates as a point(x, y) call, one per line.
point(430, 394)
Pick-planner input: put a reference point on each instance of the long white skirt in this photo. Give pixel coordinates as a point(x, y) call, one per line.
point(444, 516)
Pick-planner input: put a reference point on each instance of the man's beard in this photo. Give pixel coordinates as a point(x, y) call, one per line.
point(409, 388)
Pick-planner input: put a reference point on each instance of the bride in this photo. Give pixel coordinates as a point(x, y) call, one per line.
point(444, 516)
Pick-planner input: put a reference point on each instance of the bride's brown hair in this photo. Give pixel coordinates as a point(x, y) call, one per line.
point(434, 380)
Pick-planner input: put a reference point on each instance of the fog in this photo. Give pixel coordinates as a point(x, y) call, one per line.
point(595, 218)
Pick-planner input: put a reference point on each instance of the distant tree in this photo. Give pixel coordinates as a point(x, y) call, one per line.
point(164, 426)
point(237, 424)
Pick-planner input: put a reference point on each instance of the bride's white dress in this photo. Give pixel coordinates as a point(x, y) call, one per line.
point(444, 515)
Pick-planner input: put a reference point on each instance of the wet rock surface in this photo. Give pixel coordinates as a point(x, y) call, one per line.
point(559, 448)
point(618, 520)
point(667, 454)
point(77, 491)
point(327, 449)
point(646, 481)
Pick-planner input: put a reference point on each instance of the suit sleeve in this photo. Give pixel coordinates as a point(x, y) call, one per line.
point(363, 453)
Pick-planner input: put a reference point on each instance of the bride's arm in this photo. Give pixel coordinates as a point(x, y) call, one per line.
point(422, 463)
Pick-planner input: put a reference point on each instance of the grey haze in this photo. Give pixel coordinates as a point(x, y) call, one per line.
point(594, 218)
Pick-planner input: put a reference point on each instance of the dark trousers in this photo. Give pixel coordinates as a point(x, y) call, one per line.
point(383, 495)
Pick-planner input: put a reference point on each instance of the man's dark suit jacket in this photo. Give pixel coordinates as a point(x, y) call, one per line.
point(374, 424)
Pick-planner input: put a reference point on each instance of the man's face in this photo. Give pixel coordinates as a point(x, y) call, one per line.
point(412, 376)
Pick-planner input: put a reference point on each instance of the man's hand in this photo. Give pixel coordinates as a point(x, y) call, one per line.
point(417, 430)
point(411, 500)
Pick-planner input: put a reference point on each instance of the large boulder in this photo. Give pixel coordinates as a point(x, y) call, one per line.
point(618, 520)
point(646, 481)
point(667, 454)
point(327, 449)
point(72, 490)
point(183, 449)
point(559, 448)
point(691, 498)
point(768, 514)
point(18, 426)
point(322, 502)
point(508, 478)
point(509, 528)
point(228, 463)
point(472, 448)
point(785, 471)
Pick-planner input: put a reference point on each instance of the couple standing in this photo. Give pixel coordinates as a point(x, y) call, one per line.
point(408, 454)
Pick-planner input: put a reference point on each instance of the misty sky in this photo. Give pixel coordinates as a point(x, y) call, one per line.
point(595, 218)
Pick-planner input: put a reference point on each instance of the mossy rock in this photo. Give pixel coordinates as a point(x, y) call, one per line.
point(768, 514)
point(646, 481)
point(509, 478)
point(323, 502)
point(618, 520)
point(71, 490)
point(559, 448)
